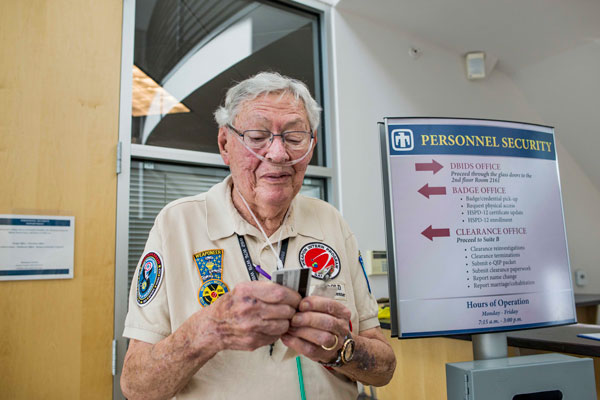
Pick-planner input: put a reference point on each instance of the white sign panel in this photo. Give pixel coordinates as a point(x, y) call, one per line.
point(36, 247)
point(479, 236)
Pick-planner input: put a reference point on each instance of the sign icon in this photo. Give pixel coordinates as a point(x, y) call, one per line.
point(433, 166)
point(431, 190)
point(402, 140)
point(430, 233)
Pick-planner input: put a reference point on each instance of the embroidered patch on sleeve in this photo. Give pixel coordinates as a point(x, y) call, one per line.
point(149, 278)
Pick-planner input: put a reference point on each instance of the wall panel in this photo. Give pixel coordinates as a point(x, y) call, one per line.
point(59, 98)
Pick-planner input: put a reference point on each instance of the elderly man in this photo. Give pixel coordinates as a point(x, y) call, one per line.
point(205, 320)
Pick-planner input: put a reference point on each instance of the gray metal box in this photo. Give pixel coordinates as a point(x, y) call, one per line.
point(553, 374)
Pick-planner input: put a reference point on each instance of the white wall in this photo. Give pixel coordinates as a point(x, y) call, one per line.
point(572, 104)
point(565, 90)
point(581, 203)
point(376, 77)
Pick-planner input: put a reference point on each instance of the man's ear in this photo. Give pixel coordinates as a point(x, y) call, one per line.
point(223, 140)
point(314, 145)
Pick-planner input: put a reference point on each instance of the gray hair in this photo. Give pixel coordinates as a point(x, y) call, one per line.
point(265, 83)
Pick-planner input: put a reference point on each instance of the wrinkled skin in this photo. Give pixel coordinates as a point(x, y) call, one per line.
point(269, 189)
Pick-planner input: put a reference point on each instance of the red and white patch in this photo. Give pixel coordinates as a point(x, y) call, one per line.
point(321, 258)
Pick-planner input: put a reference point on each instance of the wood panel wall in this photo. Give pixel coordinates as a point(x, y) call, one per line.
point(59, 99)
point(421, 367)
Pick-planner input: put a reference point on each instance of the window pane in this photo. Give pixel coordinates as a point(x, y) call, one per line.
point(154, 185)
point(314, 187)
point(187, 53)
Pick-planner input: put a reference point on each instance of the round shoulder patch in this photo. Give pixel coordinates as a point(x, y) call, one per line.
point(149, 278)
point(323, 260)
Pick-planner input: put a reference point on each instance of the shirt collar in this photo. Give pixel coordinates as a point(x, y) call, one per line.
point(223, 219)
point(303, 220)
point(220, 221)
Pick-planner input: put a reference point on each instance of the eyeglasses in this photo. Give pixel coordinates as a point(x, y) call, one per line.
point(257, 139)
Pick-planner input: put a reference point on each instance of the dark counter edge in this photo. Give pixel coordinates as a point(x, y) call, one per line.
point(561, 339)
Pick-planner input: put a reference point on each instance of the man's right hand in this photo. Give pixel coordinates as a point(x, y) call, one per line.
point(252, 315)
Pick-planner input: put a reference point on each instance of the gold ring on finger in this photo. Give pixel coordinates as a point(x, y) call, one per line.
point(334, 345)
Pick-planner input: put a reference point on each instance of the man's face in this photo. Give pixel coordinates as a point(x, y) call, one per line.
point(262, 183)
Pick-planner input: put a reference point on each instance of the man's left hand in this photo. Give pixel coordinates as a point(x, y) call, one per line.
point(320, 323)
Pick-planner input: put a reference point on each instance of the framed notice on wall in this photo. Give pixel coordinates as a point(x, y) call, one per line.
point(36, 247)
point(476, 233)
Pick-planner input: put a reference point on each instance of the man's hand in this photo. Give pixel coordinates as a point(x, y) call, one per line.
point(253, 314)
point(317, 324)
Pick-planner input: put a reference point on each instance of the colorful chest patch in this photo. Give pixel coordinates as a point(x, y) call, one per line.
point(210, 291)
point(323, 260)
point(210, 268)
point(149, 278)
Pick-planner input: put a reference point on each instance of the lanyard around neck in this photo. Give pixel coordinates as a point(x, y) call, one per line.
point(279, 263)
point(254, 277)
point(248, 260)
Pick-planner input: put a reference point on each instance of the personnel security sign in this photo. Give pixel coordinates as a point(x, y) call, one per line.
point(478, 227)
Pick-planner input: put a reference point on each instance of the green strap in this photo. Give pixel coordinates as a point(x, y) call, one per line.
point(300, 378)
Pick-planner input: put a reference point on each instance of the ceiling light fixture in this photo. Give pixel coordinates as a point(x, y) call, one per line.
point(475, 63)
point(149, 98)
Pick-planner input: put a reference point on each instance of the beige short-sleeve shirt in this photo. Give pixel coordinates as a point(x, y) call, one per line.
point(181, 240)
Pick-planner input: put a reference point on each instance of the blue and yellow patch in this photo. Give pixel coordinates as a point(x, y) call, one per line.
point(210, 291)
point(210, 268)
point(149, 278)
point(210, 264)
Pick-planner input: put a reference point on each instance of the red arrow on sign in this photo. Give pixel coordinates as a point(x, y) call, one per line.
point(431, 190)
point(432, 166)
point(430, 233)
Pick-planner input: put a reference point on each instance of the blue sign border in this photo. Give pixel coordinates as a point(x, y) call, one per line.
point(481, 140)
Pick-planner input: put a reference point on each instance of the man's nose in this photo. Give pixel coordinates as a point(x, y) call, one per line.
point(276, 151)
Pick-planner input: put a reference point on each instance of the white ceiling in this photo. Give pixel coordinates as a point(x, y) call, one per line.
point(538, 43)
point(518, 32)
